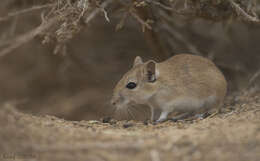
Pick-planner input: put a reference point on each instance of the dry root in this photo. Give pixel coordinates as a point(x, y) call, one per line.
point(63, 19)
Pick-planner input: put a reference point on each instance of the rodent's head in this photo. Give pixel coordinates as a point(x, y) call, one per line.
point(137, 85)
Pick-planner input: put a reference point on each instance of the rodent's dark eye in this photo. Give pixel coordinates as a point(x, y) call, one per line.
point(131, 85)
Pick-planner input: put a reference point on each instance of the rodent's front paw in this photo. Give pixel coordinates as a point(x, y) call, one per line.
point(160, 121)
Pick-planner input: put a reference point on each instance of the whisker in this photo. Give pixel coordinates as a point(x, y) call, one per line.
point(134, 114)
point(135, 110)
point(130, 112)
point(138, 114)
point(117, 113)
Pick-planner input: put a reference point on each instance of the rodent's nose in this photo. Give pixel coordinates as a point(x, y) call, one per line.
point(113, 103)
point(116, 99)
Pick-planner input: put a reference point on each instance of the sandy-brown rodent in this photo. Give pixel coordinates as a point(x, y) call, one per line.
point(186, 84)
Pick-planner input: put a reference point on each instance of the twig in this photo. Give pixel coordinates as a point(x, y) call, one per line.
point(121, 23)
point(179, 12)
point(140, 20)
point(254, 77)
point(191, 47)
point(242, 13)
point(16, 13)
point(24, 38)
point(83, 4)
point(97, 10)
point(105, 14)
point(160, 5)
point(153, 39)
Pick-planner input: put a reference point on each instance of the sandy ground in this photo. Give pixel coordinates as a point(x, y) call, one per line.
point(232, 135)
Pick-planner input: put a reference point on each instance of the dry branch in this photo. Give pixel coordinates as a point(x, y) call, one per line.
point(243, 13)
point(24, 38)
point(16, 13)
point(46, 25)
point(140, 20)
point(170, 8)
point(254, 77)
point(69, 14)
point(97, 10)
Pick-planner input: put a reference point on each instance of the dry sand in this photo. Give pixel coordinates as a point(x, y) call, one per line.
point(233, 135)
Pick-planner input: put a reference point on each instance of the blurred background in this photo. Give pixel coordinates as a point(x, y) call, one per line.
point(77, 84)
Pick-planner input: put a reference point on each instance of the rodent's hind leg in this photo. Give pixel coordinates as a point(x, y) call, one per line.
point(181, 116)
point(163, 117)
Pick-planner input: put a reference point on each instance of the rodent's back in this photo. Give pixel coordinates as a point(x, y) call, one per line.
point(192, 75)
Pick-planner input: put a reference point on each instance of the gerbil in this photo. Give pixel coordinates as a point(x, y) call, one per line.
point(184, 83)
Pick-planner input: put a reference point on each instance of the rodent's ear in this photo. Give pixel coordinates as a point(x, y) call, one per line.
point(150, 71)
point(138, 60)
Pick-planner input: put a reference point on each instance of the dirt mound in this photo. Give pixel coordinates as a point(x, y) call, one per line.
point(233, 134)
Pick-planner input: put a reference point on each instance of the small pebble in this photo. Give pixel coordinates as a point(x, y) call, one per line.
point(146, 122)
point(127, 125)
point(106, 119)
point(93, 122)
